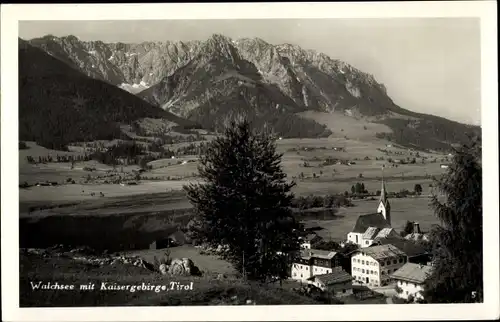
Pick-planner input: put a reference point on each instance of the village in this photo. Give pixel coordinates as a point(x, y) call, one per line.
point(382, 260)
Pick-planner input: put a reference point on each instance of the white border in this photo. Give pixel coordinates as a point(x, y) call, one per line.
point(11, 14)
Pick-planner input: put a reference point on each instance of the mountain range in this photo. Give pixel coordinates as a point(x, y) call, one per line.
point(59, 105)
point(208, 82)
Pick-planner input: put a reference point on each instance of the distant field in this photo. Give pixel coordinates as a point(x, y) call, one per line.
point(74, 192)
point(343, 125)
point(413, 209)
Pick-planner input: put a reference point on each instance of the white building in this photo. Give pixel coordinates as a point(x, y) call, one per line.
point(338, 282)
point(314, 262)
point(372, 266)
point(308, 240)
point(410, 280)
point(376, 225)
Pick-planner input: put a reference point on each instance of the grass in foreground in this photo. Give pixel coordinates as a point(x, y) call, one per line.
point(206, 290)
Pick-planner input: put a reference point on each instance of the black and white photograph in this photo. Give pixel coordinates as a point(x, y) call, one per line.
point(299, 163)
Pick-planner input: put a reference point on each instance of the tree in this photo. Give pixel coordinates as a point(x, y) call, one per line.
point(418, 189)
point(245, 203)
point(353, 189)
point(408, 228)
point(457, 274)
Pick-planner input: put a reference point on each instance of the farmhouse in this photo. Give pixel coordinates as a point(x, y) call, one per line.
point(308, 240)
point(314, 262)
point(338, 282)
point(372, 266)
point(417, 234)
point(375, 225)
point(410, 280)
point(415, 252)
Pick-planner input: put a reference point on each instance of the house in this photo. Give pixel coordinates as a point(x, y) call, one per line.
point(410, 279)
point(417, 234)
point(415, 252)
point(314, 262)
point(308, 240)
point(444, 166)
point(370, 226)
point(338, 282)
point(372, 266)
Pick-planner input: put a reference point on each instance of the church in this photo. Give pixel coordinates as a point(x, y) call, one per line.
point(374, 226)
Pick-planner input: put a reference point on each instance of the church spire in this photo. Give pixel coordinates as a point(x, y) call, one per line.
point(383, 206)
point(383, 192)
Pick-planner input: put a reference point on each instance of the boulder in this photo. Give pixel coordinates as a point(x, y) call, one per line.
point(163, 269)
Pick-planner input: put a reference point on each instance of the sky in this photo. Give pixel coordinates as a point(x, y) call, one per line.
point(429, 65)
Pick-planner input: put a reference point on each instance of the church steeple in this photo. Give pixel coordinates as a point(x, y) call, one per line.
point(383, 192)
point(384, 206)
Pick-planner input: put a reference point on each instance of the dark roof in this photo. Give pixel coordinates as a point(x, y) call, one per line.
point(311, 237)
point(381, 251)
point(409, 247)
point(411, 272)
point(336, 276)
point(370, 220)
point(324, 254)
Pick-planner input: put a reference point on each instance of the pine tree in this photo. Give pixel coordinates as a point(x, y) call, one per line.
point(245, 203)
point(457, 274)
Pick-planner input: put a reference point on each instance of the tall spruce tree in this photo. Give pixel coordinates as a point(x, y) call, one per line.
point(245, 203)
point(457, 275)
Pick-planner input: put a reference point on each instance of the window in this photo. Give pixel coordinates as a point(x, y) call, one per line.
point(406, 292)
point(382, 264)
point(366, 242)
point(301, 275)
point(383, 273)
point(363, 262)
point(394, 261)
point(400, 260)
point(363, 271)
point(307, 268)
point(294, 274)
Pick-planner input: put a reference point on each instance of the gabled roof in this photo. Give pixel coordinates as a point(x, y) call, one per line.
point(370, 220)
point(335, 277)
point(411, 272)
point(319, 253)
point(381, 251)
point(310, 237)
point(384, 232)
point(371, 232)
point(409, 247)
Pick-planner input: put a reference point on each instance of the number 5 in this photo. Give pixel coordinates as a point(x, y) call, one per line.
point(473, 294)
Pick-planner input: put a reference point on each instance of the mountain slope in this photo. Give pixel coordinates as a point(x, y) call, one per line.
point(131, 66)
point(208, 80)
point(218, 84)
point(59, 105)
